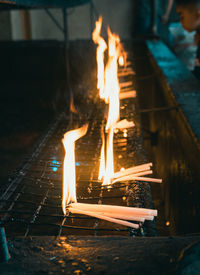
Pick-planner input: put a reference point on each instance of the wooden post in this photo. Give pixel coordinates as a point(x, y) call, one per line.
point(26, 24)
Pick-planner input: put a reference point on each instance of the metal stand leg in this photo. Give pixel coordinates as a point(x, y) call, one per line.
point(153, 17)
point(4, 254)
point(91, 17)
point(69, 94)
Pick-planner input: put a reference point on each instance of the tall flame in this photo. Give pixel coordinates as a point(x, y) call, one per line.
point(109, 171)
point(111, 96)
point(112, 89)
point(102, 158)
point(99, 55)
point(69, 173)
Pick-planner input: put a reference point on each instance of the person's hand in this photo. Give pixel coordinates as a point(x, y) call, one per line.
point(196, 38)
point(165, 18)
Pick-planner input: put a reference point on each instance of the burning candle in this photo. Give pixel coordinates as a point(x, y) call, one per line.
point(109, 87)
point(122, 210)
point(99, 56)
point(129, 94)
point(69, 175)
point(124, 124)
point(103, 217)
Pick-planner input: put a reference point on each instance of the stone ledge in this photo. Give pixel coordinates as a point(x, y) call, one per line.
point(184, 87)
point(95, 255)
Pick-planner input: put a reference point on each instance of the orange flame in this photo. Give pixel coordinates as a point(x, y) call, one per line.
point(99, 55)
point(109, 171)
point(102, 159)
point(121, 60)
point(69, 173)
point(111, 96)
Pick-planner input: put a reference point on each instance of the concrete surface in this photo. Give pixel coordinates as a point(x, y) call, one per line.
point(97, 255)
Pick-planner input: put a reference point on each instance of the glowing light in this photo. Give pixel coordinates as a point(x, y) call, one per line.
point(69, 175)
point(121, 61)
point(167, 223)
point(111, 97)
point(102, 159)
point(99, 56)
point(109, 171)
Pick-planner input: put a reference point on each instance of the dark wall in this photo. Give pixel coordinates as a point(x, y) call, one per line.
point(32, 92)
point(31, 80)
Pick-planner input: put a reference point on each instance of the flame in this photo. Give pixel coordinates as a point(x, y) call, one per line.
point(108, 86)
point(72, 106)
point(109, 171)
point(111, 95)
point(69, 173)
point(121, 60)
point(99, 56)
point(102, 159)
point(111, 88)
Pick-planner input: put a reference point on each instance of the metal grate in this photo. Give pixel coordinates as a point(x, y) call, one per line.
point(31, 202)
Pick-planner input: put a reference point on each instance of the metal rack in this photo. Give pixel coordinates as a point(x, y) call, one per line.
point(30, 204)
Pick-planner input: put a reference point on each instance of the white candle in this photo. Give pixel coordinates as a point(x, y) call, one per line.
point(125, 84)
point(129, 94)
point(132, 177)
point(124, 124)
point(122, 210)
point(133, 170)
point(123, 217)
point(125, 73)
point(99, 216)
point(147, 179)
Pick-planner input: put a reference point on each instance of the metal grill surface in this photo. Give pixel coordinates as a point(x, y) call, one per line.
point(30, 204)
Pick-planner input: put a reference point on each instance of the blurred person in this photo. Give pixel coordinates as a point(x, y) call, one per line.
point(189, 13)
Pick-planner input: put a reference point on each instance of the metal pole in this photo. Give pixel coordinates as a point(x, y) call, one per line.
point(4, 254)
point(66, 55)
point(91, 17)
point(26, 24)
point(154, 17)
